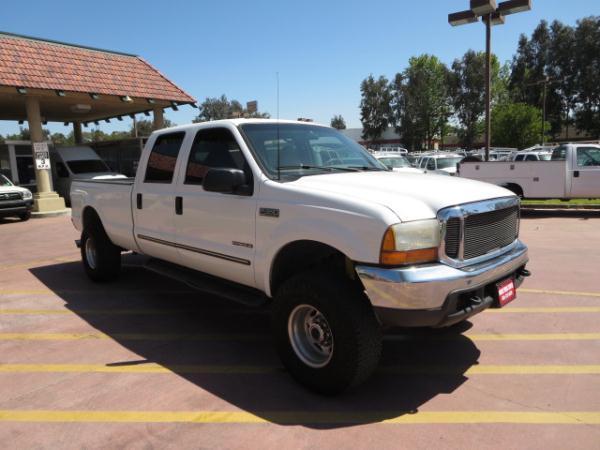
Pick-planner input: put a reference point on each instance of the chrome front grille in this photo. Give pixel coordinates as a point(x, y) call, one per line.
point(478, 229)
point(11, 196)
point(489, 231)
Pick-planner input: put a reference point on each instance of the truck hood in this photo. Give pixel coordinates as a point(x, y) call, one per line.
point(7, 189)
point(411, 196)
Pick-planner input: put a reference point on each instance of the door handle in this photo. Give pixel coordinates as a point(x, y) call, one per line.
point(576, 174)
point(139, 201)
point(179, 205)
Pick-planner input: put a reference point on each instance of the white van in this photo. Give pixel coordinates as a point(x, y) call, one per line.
point(77, 162)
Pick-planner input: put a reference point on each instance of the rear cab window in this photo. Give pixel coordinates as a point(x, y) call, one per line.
point(163, 158)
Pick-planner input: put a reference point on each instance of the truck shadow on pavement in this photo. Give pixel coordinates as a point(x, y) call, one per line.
point(231, 345)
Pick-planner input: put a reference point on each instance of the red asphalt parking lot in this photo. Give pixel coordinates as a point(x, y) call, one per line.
point(147, 362)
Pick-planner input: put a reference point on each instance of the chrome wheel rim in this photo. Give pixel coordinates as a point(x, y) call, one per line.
point(90, 253)
point(310, 336)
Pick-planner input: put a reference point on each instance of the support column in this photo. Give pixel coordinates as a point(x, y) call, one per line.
point(159, 121)
point(77, 133)
point(45, 199)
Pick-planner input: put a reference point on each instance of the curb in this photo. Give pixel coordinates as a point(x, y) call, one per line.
point(45, 214)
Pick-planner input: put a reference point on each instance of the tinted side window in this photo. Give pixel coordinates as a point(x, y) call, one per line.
point(530, 158)
point(559, 153)
point(213, 147)
point(61, 170)
point(162, 159)
point(519, 158)
point(588, 156)
point(431, 164)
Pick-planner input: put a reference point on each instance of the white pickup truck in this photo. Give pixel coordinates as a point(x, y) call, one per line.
point(573, 171)
point(303, 217)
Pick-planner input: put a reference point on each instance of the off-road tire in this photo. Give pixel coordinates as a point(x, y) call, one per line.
point(357, 338)
point(107, 264)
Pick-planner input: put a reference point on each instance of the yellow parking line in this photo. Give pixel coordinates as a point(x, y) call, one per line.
point(308, 417)
point(550, 292)
point(546, 309)
point(256, 336)
point(154, 368)
point(131, 336)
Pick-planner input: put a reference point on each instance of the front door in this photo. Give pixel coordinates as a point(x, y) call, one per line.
point(216, 232)
point(153, 200)
point(585, 177)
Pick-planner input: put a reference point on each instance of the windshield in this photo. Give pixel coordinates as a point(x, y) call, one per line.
point(88, 166)
point(4, 181)
point(444, 163)
point(395, 161)
point(306, 150)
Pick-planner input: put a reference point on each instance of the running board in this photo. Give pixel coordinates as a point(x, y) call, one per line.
point(207, 283)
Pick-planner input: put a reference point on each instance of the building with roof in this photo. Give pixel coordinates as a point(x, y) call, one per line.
point(48, 81)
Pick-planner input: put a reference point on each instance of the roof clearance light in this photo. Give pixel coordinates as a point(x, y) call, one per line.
point(126, 99)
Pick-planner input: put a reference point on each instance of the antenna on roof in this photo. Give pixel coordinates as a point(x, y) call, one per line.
point(278, 145)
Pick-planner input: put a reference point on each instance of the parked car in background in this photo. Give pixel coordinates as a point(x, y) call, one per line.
point(77, 162)
point(573, 171)
point(440, 163)
point(299, 215)
point(393, 150)
point(532, 156)
point(14, 200)
point(396, 162)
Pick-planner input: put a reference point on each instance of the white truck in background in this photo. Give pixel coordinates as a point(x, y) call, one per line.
point(303, 217)
point(572, 172)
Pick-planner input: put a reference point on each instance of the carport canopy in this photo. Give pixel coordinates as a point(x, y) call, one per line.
point(48, 81)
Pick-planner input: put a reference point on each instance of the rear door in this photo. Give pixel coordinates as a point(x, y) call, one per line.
point(585, 177)
point(216, 232)
point(153, 200)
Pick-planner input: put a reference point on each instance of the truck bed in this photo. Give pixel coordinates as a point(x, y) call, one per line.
point(537, 179)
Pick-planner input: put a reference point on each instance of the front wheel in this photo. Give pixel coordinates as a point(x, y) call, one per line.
point(25, 216)
point(325, 331)
point(101, 258)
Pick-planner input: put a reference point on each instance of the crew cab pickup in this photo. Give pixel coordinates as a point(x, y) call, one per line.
point(573, 171)
point(301, 216)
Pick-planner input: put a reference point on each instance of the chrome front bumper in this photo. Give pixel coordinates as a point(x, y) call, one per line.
point(427, 287)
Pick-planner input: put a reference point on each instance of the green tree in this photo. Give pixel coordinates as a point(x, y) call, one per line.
point(587, 78)
point(338, 122)
point(468, 93)
point(24, 135)
point(516, 125)
point(375, 110)
point(421, 101)
point(221, 108)
point(144, 128)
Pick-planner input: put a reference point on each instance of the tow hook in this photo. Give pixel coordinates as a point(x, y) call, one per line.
point(524, 272)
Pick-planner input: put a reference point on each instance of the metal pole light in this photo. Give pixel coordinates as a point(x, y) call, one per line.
point(491, 14)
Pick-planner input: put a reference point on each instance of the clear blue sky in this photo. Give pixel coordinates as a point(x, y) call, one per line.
point(321, 49)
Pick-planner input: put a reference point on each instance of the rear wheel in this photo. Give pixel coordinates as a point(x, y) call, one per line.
point(326, 332)
point(101, 258)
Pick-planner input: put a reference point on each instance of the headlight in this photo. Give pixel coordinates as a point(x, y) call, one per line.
point(27, 195)
point(411, 243)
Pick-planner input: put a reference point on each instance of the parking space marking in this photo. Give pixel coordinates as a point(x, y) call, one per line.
point(305, 417)
point(263, 336)
point(550, 292)
point(546, 309)
point(154, 368)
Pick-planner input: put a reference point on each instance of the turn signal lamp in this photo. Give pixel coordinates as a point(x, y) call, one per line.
point(410, 243)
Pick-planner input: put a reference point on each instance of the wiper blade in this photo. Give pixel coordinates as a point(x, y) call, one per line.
point(327, 168)
point(367, 168)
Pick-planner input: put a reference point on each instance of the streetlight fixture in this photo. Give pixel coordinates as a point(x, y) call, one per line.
point(491, 14)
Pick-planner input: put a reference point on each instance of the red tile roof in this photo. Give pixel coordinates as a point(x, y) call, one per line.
point(39, 64)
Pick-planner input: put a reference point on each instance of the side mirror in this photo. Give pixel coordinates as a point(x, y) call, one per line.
point(225, 181)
